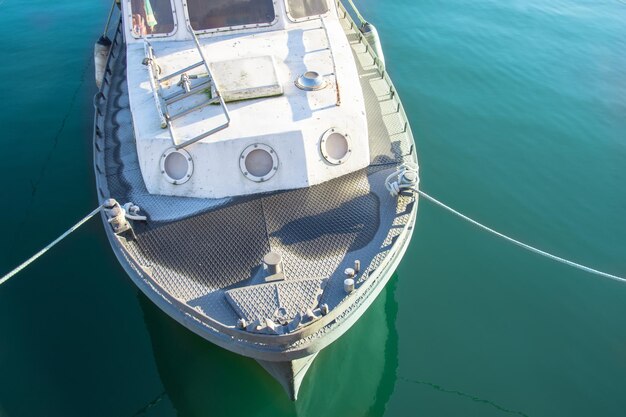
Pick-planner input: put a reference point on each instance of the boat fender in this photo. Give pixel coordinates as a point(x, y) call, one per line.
point(371, 36)
point(100, 54)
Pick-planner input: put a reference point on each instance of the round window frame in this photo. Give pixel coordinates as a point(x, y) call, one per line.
point(254, 147)
point(326, 156)
point(189, 172)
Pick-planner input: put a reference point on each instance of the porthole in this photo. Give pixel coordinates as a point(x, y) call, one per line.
point(258, 162)
point(335, 146)
point(176, 166)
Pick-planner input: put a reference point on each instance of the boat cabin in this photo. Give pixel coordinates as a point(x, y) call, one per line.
point(237, 97)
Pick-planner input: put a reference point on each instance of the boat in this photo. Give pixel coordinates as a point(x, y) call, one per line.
point(257, 169)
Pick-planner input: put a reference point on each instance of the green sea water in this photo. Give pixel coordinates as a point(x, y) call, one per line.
point(519, 113)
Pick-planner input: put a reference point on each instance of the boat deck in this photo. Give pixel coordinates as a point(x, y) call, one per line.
point(208, 253)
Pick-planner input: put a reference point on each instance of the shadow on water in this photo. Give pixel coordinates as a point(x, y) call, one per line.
point(355, 376)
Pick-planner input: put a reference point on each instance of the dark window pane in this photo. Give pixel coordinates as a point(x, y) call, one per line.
point(213, 14)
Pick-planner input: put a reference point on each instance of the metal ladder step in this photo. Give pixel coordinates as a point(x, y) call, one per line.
point(180, 72)
point(200, 136)
point(192, 109)
point(180, 95)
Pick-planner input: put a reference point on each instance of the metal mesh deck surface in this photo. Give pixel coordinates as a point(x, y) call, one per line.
point(197, 249)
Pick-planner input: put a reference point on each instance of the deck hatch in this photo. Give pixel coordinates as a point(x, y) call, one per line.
point(247, 78)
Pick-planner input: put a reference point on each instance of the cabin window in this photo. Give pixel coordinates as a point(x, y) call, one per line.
point(215, 14)
point(152, 17)
point(300, 9)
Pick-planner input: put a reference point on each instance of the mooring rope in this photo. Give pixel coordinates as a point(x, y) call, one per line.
point(406, 178)
point(518, 243)
point(49, 246)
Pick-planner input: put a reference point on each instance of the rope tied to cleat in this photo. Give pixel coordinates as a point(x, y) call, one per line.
point(406, 178)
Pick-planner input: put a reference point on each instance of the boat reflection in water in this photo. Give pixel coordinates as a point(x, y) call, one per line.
point(353, 377)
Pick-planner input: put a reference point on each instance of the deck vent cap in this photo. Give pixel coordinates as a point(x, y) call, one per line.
point(310, 81)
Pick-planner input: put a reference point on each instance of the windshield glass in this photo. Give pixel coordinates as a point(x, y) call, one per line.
point(152, 17)
point(299, 9)
point(214, 14)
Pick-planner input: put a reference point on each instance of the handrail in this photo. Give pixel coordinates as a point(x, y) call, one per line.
point(340, 6)
point(152, 76)
point(106, 26)
point(358, 14)
point(379, 66)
